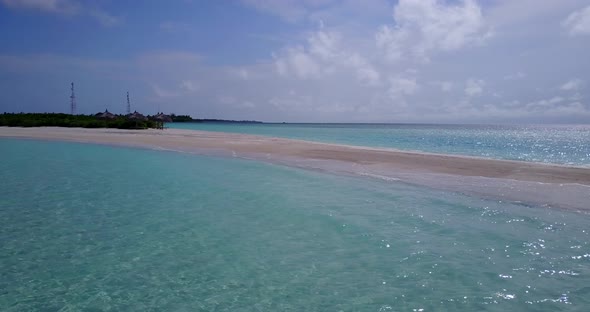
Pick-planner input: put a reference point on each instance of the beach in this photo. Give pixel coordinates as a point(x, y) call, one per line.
point(537, 183)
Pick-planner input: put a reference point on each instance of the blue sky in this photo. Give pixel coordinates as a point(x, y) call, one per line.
point(497, 61)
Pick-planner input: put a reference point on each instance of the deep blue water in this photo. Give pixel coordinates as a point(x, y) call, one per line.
point(98, 228)
point(561, 144)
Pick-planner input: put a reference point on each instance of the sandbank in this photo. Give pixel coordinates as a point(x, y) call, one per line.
point(537, 183)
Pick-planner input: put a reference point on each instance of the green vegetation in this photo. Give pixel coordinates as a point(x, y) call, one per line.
point(187, 118)
point(181, 118)
point(66, 120)
point(107, 120)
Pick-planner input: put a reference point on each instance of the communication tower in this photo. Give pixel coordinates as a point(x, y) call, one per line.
point(128, 104)
point(73, 101)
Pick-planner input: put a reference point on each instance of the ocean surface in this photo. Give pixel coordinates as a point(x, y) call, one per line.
point(560, 144)
point(95, 228)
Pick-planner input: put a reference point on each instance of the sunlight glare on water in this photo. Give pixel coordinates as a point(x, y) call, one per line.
point(558, 144)
point(98, 228)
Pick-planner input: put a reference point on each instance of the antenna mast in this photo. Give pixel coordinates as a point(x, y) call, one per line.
point(73, 101)
point(128, 104)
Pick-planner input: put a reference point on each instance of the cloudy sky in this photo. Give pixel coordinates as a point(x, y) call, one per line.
point(450, 61)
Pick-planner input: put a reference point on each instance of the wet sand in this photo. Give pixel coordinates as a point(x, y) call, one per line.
point(538, 183)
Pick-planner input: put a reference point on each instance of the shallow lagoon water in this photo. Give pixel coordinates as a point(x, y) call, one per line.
point(98, 228)
point(560, 144)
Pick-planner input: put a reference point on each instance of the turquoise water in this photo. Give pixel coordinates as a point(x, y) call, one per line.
point(97, 228)
point(551, 144)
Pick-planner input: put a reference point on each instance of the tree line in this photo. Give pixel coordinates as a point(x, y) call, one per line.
point(67, 120)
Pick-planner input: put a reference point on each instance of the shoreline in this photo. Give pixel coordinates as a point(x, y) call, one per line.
point(545, 184)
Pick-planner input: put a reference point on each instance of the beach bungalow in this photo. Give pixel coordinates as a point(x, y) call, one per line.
point(160, 119)
point(105, 115)
point(136, 117)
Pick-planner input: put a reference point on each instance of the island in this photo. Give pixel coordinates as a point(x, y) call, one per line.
point(104, 119)
point(187, 118)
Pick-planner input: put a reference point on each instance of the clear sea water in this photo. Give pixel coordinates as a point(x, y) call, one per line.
point(561, 144)
point(98, 228)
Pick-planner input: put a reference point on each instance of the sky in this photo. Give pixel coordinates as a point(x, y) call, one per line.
point(415, 61)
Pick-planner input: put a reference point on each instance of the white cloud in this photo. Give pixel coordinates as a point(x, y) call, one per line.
point(324, 55)
point(578, 22)
point(293, 103)
point(68, 7)
point(105, 18)
point(335, 108)
point(508, 14)
point(170, 74)
point(574, 84)
point(544, 103)
point(474, 87)
point(226, 99)
point(324, 44)
point(169, 77)
point(425, 26)
point(301, 63)
point(334, 73)
point(402, 86)
point(364, 70)
point(446, 86)
point(243, 74)
point(516, 76)
point(246, 104)
point(189, 86)
point(281, 66)
point(556, 105)
point(575, 97)
point(288, 10)
point(393, 42)
point(163, 93)
point(352, 13)
point(55, 6)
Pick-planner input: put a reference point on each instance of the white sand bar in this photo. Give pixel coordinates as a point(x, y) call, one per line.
point(536, 183)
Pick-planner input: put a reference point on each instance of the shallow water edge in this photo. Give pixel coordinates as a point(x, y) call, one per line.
point(569, 196)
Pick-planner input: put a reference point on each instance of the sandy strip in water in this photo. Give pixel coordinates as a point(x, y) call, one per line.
point(551, 185)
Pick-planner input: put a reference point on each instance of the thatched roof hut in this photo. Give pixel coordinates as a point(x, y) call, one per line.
point(105, 115)
point(162, 117)
point(135, 116)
